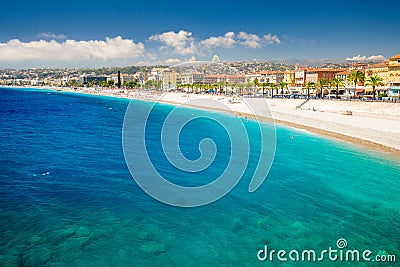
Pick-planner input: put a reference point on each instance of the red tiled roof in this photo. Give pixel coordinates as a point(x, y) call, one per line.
point(378, 65)
point(342, 69)
point(322, 70)
point(395, 57)
point(237, 76)
point(346, 72)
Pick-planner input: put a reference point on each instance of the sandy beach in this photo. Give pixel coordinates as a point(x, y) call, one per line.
point(372, 124)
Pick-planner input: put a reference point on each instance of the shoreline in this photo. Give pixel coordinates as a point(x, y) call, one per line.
point(344, 138)
point(347, 138)
point(321, 132)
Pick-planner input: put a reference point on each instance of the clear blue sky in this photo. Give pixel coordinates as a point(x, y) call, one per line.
point(296, 29)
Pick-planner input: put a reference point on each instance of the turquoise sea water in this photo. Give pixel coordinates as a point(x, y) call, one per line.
point(68, 199)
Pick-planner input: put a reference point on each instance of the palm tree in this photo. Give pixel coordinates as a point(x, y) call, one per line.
point(272, 86)
point(241, 88)
point(263, 87)
point(337, 82)
point(321, 83)
point(234, 88)
point(248, 87)
point(256, 83)
point(214, 87)
point(282, 85)
point(356, 77)
point(309, 85)
point(374, 81)
point(197, 87)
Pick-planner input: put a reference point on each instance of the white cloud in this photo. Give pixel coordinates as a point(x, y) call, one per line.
point(54, 50)
point(151, 56)
point(249, 40)
point(226, 41)
point(70, 50)
point(365, 58)
point(49, 35)
point(376, 58)
point(191, 59)
point(169, 61)
point(254, 41)
point(172, 61)
point(182, 42)
point(271, 39)
point(358, 57)
point(215, 59)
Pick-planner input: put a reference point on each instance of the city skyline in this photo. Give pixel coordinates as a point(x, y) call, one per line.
point(96, 34)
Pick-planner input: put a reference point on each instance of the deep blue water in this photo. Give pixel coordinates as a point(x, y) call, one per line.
point(67, 197)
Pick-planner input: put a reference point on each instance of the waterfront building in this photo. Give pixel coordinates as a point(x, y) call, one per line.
point(300, 77)
point(394, 76)
point(250, 78)
point(237, 79)
point(198, 78)
point(185, 78)
point(343, 74)
point(271, 77)
point(379, 69)
point(169, 79)
point(394, 70)
point(92, 78)
point(213, 79)
point(314, 75)
point(288, 77)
